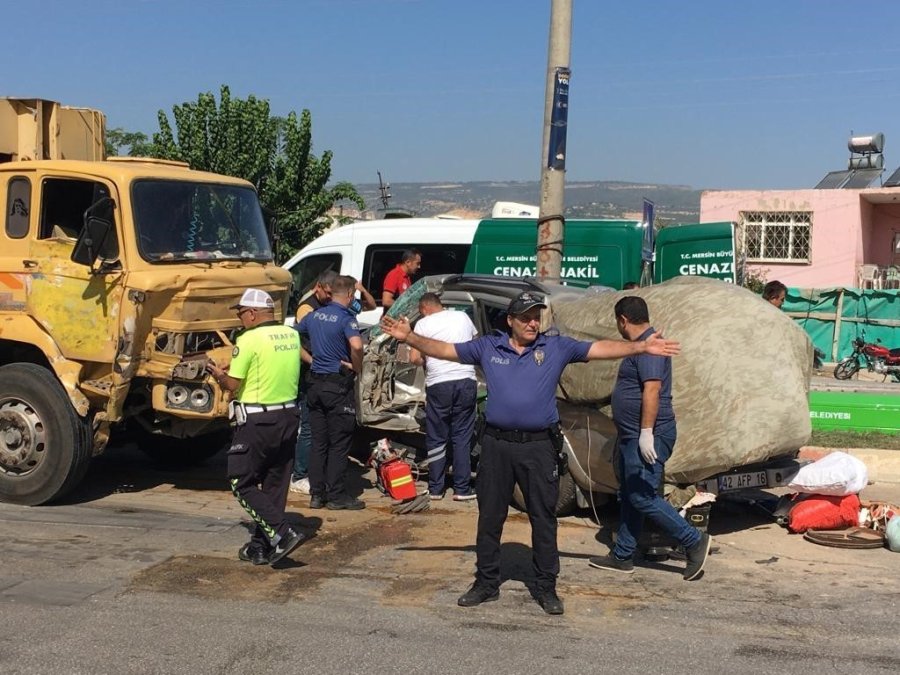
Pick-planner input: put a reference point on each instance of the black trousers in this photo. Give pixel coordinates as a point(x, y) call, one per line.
point(532, 466)
point(259, 470)
point(332, 420)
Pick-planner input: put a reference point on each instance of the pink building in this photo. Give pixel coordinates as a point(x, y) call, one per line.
point(815, 238)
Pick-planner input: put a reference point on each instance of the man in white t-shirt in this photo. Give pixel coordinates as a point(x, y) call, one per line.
point(450, 391)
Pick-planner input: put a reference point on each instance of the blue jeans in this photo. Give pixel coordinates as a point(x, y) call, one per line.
point(304, 442)
point(639, 498)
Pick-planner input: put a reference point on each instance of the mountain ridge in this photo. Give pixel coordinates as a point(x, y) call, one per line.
point(583, 199)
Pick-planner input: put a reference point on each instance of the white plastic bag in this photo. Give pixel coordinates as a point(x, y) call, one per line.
point(837, 474)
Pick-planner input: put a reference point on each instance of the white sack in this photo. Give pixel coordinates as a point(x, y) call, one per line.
point(837, 474)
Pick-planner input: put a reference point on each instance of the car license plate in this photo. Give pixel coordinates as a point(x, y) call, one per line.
point(739, 481)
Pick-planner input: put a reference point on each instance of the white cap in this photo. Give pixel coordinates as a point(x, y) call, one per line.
point(253, 297)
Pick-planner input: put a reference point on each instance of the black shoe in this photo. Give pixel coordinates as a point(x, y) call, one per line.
point(317, 502)
point(477, 594)
point(285, 545)
point(549, 600)
point(611, 562)
point(253, 555)
point(346, 504)
point(696, 557)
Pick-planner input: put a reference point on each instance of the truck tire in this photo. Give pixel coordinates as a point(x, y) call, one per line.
point(176, 453)
point(565, 504)
point(45, 447)
point(846, 368)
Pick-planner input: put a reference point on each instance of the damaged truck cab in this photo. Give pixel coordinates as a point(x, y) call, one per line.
point(115, 282)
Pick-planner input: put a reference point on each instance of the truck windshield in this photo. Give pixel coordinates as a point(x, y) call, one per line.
point(178, 220)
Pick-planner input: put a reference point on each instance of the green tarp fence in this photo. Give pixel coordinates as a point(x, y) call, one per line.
point(833, 317)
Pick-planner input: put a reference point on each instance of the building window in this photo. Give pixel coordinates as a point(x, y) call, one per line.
point(777, 236)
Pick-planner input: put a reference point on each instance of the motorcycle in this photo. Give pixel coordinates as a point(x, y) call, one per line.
point(877, 358)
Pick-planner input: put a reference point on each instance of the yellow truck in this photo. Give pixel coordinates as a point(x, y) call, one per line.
point(115, 280)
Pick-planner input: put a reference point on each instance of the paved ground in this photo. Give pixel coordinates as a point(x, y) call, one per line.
point(138, 574)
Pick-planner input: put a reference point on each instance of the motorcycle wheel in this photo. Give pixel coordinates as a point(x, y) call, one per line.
point(846, 369)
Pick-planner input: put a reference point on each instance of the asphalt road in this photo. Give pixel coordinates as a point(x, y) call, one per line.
point(138, 573)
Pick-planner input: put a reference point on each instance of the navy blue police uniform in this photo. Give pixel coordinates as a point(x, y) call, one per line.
point(517, 447)
point(331, 400)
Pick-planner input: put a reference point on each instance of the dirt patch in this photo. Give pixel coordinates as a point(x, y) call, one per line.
point(332, 554)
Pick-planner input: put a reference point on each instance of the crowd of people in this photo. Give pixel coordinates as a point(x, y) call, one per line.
point(294, 431)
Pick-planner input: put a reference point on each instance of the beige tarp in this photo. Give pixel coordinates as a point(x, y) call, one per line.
point(739, 386)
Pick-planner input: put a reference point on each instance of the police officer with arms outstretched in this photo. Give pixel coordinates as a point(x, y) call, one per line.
point(337, 352)
point(521, 440)
point(264, 371)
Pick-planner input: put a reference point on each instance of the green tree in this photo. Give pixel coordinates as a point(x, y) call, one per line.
point(135, 143)
point(240, 137)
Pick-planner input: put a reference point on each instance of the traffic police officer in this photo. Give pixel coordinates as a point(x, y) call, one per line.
point(337, 352)
point(264, 371)
point(521, 443)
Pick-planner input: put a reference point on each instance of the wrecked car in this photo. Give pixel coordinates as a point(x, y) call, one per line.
point(739, 387)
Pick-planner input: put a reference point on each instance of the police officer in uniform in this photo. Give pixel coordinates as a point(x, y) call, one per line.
point(337, 353)
point(521, 441)
point(264, 372)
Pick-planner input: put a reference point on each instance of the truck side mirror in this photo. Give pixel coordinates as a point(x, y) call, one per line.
point(91, 240)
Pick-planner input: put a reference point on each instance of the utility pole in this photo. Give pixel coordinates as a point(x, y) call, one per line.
point(551, 224)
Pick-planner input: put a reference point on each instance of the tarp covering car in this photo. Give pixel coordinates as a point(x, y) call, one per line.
point(740, 385)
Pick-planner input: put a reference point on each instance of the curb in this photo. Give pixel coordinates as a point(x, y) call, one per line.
point(883, 465)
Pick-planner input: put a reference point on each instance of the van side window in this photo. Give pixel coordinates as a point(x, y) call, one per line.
point(306, 271)
point(18, 207)
point(63, 203)
point(436, 259)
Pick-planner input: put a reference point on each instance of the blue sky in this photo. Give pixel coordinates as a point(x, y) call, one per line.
point(760, 94)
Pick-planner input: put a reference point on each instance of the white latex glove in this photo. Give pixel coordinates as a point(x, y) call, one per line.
point(645, 443)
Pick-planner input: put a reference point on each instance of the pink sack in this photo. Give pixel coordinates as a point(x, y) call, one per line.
point(824, 512)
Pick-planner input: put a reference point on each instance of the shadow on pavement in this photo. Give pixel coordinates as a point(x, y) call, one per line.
point(125, 468)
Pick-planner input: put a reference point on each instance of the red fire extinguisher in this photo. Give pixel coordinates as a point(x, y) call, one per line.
point(394, 478)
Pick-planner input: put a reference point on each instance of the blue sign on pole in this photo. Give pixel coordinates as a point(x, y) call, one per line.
point(559, 116)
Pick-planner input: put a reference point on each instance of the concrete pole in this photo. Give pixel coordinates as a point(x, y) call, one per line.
point(553, 170)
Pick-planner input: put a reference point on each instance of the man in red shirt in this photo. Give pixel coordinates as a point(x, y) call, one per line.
point(398, 279)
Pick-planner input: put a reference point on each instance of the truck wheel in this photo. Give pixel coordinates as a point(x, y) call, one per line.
point(45, 447)
point(846, 368)
point(183, 452)
point(565, 504)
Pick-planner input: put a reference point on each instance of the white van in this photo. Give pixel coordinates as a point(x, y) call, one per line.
point(367, 250)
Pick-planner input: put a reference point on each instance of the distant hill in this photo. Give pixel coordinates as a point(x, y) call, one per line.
point(597, 199)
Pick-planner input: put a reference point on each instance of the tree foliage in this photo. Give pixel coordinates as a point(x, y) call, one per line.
point(135, 143)
point(240, 137)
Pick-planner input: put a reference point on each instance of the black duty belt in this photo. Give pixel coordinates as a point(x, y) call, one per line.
point(515, 435)
point(329, 377)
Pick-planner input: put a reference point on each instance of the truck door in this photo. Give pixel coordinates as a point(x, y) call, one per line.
point(77, 306)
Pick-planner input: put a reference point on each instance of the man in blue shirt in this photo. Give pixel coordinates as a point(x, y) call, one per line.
point(337, 352)
point(521, 439)
point(645, 422)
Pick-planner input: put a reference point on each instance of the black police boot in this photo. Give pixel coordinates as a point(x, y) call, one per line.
point(346, 503)
point(253, 555)
point(317, 502)
point(478, 593)
point(285, 545)
point(549, 601)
